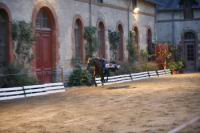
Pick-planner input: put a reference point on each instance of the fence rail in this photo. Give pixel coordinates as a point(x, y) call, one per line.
point(133, 77)
point(29, 91)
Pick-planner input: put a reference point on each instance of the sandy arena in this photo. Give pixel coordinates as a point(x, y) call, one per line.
point(148, 106)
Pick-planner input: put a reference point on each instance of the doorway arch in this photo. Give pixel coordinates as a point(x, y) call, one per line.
point(150, 46)
point(101, 40)
point(5, 36)
point(121, 43)
point(136, 38)
point(78, 35)
point(45, 27)
point(136, 41)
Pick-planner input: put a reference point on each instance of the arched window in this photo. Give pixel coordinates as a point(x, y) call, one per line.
point(136, 39)
point(78, 32)
point(121, 41)
point(43, 20)
point(3, 38)
point(189, 36)
point(101, 39)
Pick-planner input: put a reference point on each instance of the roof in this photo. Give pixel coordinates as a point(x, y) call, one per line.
point(173, 4)
point(154, 2)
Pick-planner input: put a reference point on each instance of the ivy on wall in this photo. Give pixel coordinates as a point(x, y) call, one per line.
point(17, 74)
point(92, 45)
point(114, 39)
point(23, 37)
point(131, 47)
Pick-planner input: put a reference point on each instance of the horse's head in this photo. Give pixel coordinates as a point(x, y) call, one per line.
point(90, 63)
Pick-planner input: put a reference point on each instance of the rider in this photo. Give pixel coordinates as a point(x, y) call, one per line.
point(105, 65)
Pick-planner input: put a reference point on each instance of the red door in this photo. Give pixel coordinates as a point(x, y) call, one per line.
point(44, 57)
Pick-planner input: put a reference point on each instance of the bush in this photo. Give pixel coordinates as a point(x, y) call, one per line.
point(80, 77)
point(12, 76)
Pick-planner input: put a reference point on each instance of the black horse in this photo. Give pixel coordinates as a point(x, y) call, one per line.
point(101, 68)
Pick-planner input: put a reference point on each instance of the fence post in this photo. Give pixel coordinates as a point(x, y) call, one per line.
point(157, 73)
point(165, 71)
point(131, 76)
point(62, 74)
point(149, 74)
point(24, 91)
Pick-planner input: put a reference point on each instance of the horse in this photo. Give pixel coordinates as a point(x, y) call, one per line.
point(101, 68)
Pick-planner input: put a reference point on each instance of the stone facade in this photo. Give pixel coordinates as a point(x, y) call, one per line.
point(65, 12)
point(171, 26)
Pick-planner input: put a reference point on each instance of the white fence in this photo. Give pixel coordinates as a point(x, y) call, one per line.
point(133, 77)
point(29, 91)
point(44, 89)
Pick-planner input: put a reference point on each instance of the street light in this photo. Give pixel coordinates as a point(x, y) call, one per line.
point(136, 10)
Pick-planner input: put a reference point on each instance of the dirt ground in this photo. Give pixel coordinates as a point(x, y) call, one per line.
point(149, 106)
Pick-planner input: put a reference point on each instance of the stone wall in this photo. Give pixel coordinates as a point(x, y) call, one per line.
point(144, 19)
point(67, 10)
point(171, 26)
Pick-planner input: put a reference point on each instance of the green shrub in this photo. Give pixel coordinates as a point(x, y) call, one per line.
point(12, 76)
point(80, 77)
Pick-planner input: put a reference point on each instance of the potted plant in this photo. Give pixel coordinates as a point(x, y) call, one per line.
point(173, 67)
point(179, 66)
point(176, 67)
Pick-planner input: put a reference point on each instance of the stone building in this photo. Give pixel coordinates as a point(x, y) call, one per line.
point(178, 22)
point(59, 27)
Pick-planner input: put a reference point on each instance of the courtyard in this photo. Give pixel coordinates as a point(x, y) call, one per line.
point(155, 105)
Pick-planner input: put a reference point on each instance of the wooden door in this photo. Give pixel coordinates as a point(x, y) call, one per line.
point(190, 55)
point(44, 57)
point(190, 51)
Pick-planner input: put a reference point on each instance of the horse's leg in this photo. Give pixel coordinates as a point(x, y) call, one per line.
point(102, 80)
point(95, 82)
point(94, 77)
point(107, 75)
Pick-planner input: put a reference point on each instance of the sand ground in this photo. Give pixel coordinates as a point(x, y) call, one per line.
point(148, 106)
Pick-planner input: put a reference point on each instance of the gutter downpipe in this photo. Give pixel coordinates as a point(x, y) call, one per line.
point(90, 13)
